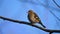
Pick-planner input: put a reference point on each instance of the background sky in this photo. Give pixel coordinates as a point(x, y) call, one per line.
point(17, 9)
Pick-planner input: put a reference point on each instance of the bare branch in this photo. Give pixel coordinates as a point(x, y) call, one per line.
point(50, 32)
point(27, 23)
point(56, 3)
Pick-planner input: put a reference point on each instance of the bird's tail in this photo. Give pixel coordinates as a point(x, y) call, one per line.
point(42, 24)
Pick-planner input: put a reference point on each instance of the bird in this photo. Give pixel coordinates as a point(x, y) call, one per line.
point(33, 18)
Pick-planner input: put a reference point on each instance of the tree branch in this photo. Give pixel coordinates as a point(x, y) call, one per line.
point(27, 23)
point(50, 32)
point(56, 3)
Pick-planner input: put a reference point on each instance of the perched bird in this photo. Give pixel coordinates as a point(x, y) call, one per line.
point(33, 18)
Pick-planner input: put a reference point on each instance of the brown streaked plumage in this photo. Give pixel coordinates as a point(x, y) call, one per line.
point(33, 18)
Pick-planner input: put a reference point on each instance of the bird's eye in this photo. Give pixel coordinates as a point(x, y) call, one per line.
point(36, 17)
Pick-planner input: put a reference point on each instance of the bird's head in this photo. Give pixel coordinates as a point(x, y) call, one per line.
point(30, 11)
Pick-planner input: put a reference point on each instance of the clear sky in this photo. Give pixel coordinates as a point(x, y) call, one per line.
point(17, 9)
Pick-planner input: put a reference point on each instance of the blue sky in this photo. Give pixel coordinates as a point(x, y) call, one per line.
point(17, 9)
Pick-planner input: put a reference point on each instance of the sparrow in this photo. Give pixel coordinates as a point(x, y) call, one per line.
point(33, 18)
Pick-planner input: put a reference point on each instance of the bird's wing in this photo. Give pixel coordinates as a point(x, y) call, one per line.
point(38, 20)
point(36, 17)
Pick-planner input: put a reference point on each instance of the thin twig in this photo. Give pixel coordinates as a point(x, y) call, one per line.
point(34, 3)
point(27, 23)
point(56, 3)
